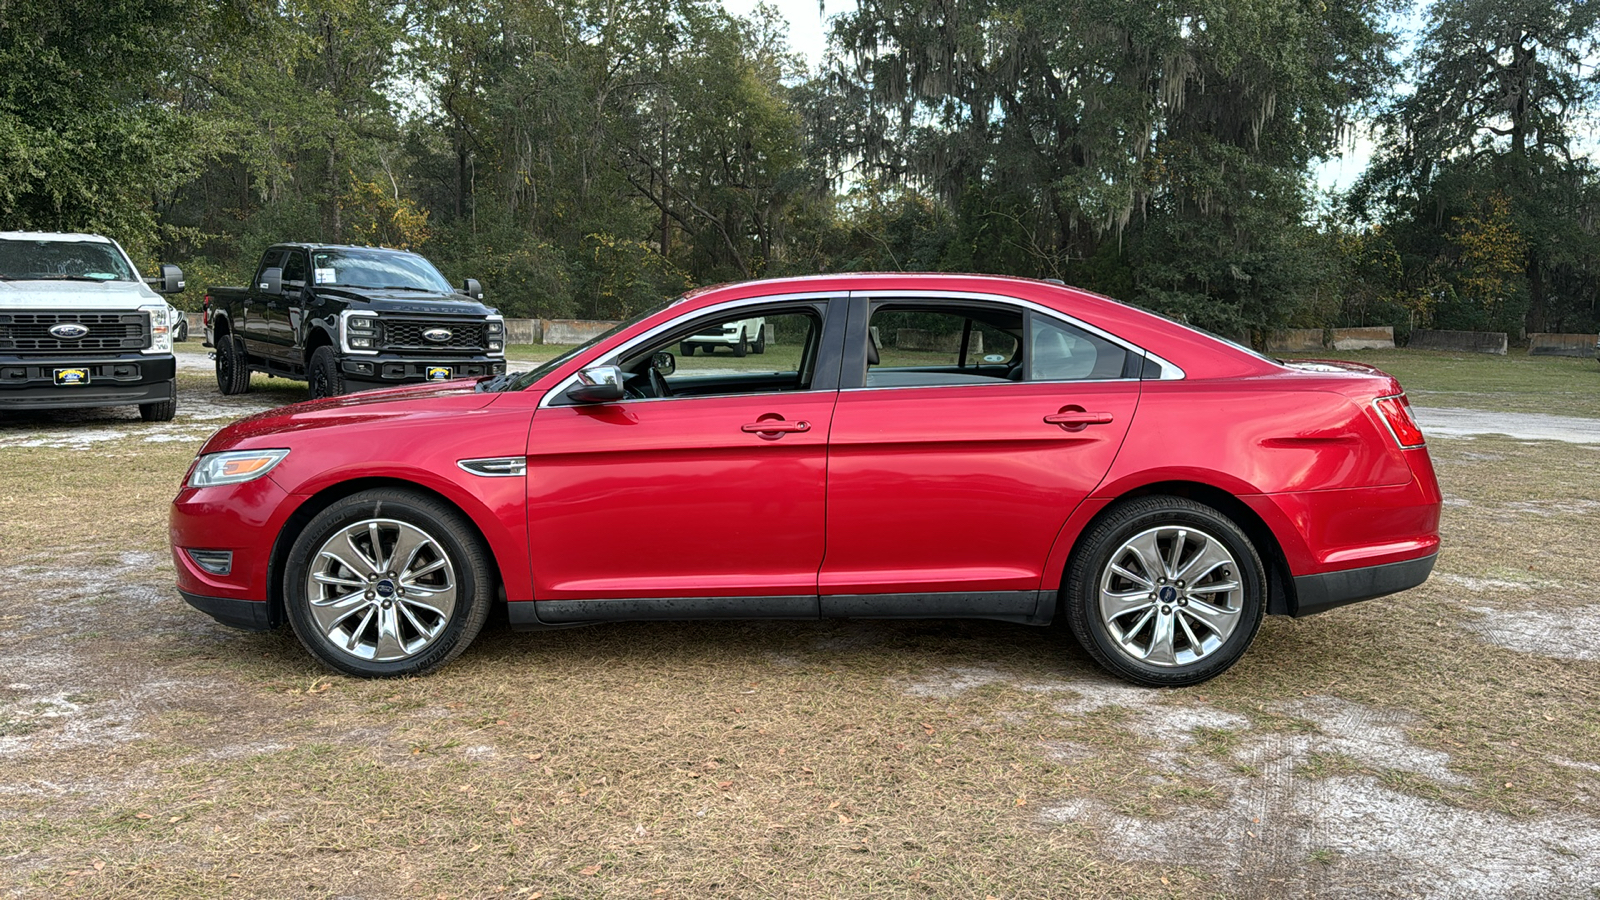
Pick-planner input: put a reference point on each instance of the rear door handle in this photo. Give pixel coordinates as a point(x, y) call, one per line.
point(1077, 419)
point(774, 427)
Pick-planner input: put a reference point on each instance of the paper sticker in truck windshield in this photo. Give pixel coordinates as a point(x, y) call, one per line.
point(326, 276)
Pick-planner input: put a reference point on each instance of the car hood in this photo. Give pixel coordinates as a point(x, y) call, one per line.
point(451, 304)
point(76, 295)
point(423, 403)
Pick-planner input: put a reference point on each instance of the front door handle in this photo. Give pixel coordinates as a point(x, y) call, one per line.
point(1074, 418)
point(774, 427)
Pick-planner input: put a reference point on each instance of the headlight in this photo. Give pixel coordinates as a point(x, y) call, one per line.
point(495, 326)
point(234, 467)
point(160, 329)
point(362, 323)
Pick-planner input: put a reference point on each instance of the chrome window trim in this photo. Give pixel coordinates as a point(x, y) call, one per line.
point(617, 354)
point(1169, 370)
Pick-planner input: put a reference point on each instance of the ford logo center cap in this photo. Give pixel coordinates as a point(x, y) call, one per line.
point(69, 331)
point(437, 335)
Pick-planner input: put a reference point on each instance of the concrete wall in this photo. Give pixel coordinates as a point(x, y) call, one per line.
point(1313, 340)
point(1364, 338)
point(1579, 345)
point(1294, 340)
point(573, 331)
point(524, 331)
point(1460, 341)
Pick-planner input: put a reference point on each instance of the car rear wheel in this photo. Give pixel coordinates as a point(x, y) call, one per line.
point(233, 370)
point(1165, 592)
point(325, 379)
point(387, 582)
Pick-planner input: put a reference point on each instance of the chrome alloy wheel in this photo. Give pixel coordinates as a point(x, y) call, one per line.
point(1170, 596)
point(381, 590)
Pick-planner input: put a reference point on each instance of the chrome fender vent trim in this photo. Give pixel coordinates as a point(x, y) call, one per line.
point(496, 467)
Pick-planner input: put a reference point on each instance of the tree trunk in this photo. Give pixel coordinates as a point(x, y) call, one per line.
point(1536, 293)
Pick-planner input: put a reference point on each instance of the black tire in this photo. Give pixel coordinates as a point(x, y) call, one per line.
point(760, 345)
point(181, 332)
point(686, 348)
point(423, 635)
point(323, 376)
point(161, 410)
point(1181, 600)
point(233, 368)
point(739, 348)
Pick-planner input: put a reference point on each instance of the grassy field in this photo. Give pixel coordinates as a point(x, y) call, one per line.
point(1515, 382)
point(1445, 742)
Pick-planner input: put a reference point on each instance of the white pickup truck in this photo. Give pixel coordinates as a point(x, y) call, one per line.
point(79, 327)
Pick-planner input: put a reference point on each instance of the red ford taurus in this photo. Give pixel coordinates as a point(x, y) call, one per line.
point(889, 446)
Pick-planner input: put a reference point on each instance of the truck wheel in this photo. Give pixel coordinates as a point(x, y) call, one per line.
point(387, 582)
point(760, 346)
point(161, 410)
point(685, 348)
point(326, 379)
point(233, 370)
point(181, 333)
point(739, 348)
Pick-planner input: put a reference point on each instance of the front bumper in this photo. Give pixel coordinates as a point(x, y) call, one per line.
point(122, 379)
point(248, 615)
point(1322, 592)
point(386, 369)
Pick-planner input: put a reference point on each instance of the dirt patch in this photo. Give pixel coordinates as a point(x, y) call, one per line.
point(1444, 422)
point(1563, 633)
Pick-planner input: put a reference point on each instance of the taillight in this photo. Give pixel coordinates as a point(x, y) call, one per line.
point(205, 309)
point(1396, 412)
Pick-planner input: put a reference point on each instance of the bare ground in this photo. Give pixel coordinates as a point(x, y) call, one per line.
point(1443, 743)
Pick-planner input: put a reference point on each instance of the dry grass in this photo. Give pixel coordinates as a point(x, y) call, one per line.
point(149, 752)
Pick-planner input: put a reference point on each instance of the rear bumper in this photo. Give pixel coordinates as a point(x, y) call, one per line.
point(248, 615)
point(1318, 593)
point(29, 382)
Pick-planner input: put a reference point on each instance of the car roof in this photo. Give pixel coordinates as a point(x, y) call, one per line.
point(53, 236)
point(302, 245)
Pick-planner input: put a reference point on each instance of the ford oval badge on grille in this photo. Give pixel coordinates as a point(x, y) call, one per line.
point(437, 335)
point(69, 331)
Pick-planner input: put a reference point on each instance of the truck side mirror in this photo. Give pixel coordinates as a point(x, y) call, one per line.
point(170, 281)
point(271, 281)
point(472, 289)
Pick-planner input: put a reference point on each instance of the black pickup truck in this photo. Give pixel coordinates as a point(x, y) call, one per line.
point(347, 318)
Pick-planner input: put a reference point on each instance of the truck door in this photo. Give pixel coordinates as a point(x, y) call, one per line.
point(253, 323)
point(283, 311)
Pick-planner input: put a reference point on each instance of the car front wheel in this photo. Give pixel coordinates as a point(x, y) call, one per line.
point(387, 582)
point(1165, 592)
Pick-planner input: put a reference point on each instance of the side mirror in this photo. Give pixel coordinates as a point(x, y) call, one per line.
point(597, 384)
point(271, 281)
point(664, 362)
point(472, 288)
point(170, 281)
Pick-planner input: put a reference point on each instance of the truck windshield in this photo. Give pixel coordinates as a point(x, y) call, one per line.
point(29, 260)
point(377, 269)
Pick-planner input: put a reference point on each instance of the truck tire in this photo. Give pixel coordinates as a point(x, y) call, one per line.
point(233, 369)
point(161, 410)
point(326, 380)
point(739, 348)
point(760, 346)
point(685, 348)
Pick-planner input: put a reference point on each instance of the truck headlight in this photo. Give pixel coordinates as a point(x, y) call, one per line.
point(234, 467)
point(160, 329)
point(362, 323)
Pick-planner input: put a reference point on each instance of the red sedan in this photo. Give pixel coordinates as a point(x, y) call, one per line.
point(926, 446)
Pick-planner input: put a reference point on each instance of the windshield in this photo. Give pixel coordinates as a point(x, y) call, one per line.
point(517, 381)
point(377, 269)
point(25, 260)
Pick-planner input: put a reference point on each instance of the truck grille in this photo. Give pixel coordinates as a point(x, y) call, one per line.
point(30, 332)
point(466, 336)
